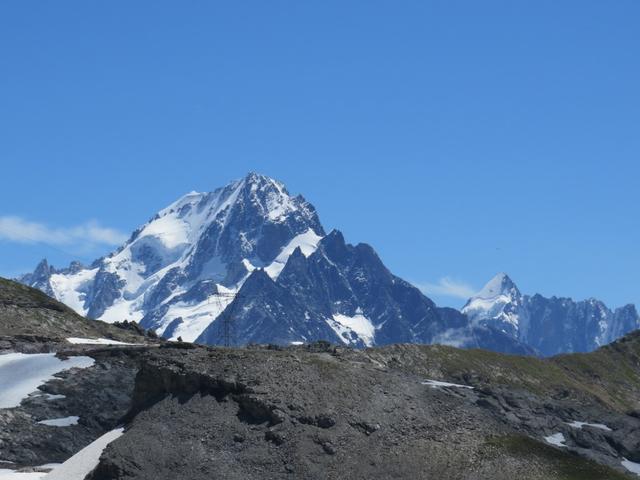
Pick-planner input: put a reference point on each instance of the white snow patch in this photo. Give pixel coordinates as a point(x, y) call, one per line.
point(296, 343)
point(493, 287)
point(170, 230)
point(169, 236)
point(61, 422)
point(21, 374)
point(191, 198)
point(492, 307)
point(196, 317)
point(13, 475)
point(438, 384)
point(122, 310)
point(17, 475)
point(248, 265)
point(69, 289)
point(308, 243)
point(83, 462)
point(357, 326)
point(129, 271)
point(496, 302)
point(278, 202)
point(579, 425)
point(556, 439)
point(97, 341)
point(633, 467)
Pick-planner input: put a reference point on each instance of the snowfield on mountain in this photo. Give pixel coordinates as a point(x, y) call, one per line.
point(252, 251)
point(549, 325)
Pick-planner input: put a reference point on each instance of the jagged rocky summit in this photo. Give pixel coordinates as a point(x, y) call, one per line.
point(549, 325)
point(252, 250)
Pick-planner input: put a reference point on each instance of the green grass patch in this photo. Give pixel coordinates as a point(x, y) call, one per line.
point(564, 465)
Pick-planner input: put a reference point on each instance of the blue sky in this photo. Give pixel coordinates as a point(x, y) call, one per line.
point(459, 138)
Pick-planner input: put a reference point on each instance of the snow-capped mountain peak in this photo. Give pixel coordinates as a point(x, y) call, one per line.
point(255, 251)
point(550, 325)
point(496, 305)
point(166, 275)
point(501, 284)
point(253, 248)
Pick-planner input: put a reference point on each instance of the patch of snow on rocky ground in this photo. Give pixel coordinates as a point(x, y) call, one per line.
point(633, 467)
point(438, 383)
point(96, 341)
point(61, 422)
point(557, 439)
point(15, 475)
point(22, 374)
point(32, 473)
point(579, 425)
point(83, 462)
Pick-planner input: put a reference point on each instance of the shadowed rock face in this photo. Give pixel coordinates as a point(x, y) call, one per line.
point(340, 280)
point(104, 291)
point(576, 326)
point(40, 277)
point(326, 412)
point(260, 219)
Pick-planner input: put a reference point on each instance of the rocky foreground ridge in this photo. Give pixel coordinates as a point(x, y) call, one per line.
point(325, 411)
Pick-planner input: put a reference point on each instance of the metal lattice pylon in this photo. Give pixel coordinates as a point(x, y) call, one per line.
point(226, 320)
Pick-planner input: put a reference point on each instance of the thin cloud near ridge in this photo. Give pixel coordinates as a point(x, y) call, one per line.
point(19, 230)
point(448, 287)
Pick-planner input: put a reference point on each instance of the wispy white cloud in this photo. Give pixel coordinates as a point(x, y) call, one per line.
point(454, 337)
point(448, 287)
point(19, 230)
